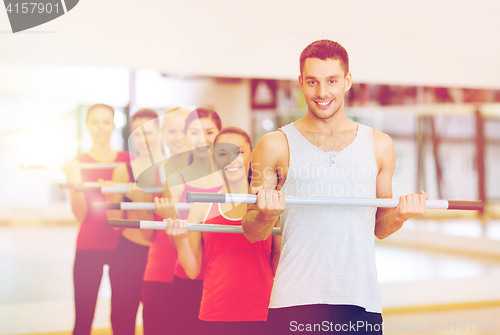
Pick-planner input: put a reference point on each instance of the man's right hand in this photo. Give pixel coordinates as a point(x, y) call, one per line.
point(270, 203)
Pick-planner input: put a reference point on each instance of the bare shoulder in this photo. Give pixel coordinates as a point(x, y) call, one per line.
point(272, 145)
point(273, 139)
point(382, 142)
point(384, 150)
point(270, 161)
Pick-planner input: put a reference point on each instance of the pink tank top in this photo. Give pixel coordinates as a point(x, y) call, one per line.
point(238, 278)
point(162, 257)
point(94, 234)
point(179, 271)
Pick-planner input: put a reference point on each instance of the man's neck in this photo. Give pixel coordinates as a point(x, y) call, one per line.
point(336, 124)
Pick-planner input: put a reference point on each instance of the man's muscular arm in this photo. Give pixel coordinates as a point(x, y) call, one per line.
point(267, 156)
point(389, 220)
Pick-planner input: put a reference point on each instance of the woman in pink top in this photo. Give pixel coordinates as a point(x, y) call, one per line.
point(239, 274)
point(145, 137)
point(97, 244)
point(171, 303)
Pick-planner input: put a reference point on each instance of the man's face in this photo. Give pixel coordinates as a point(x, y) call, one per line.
point(324, 83)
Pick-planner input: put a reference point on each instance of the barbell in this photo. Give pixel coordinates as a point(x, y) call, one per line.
point(134, 206)
point(316, 201)
point(161, 225)
point(115, 188)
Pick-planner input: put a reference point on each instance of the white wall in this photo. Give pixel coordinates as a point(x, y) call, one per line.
point(229, 98)
point(40, 124)
point(428, 42)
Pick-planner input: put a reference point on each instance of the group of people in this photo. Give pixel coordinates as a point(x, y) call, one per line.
point(322, 268)
point(181, 294)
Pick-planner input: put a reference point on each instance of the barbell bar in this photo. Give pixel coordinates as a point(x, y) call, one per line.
point(88, 186)
point(115, 188)
point(161, 225)
point(134, 206)
point(316, 201)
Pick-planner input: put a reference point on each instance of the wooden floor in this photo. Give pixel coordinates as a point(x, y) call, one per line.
point(475, 321)
point(138, 331)
point(472, 321)
point(36, 293)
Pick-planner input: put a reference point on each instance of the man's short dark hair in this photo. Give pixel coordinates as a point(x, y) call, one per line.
point(324, 49)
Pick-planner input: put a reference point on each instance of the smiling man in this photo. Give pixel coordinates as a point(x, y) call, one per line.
point(327, 270)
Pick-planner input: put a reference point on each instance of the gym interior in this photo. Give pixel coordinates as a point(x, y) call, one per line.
point(427, 74)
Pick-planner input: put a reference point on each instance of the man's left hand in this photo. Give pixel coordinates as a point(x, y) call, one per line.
point(409, 206)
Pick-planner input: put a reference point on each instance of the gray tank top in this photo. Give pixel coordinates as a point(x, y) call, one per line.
point(328, 253)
